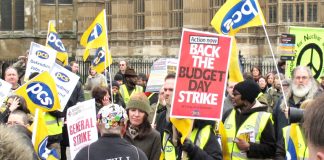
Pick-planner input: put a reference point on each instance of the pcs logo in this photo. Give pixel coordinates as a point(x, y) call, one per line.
point(100, 57)
point(42, 148)
point(62, 77)
point(55, 42)
point(239, 15)
point(95, 33)
point(40, 94)
point(42, 54)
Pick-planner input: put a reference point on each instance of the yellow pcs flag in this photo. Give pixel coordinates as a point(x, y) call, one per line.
point(40, 92)
point(101, 60)
point(53, 41)
point(184, 126)
point(40, 138)
point(96, 35)
point(237, 14)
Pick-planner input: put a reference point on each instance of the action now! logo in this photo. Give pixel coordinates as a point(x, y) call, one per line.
point(40, 94)
point(55, 42)
point(42, 54)
point(62, 77)
point(239, 15)
point(95, 33)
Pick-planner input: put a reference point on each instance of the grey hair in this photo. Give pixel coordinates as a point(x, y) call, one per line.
point(14, 146)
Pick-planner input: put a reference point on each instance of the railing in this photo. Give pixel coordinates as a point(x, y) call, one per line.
point(143, 65)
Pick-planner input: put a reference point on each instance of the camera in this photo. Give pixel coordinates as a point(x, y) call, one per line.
point(295, 115)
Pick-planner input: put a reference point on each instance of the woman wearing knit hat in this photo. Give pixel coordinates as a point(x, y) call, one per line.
point(139, 131)
point(248, 126)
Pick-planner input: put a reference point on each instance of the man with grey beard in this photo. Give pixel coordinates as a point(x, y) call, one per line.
point(303, 86)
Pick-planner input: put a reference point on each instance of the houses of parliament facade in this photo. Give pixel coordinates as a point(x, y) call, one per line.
point(143, 27)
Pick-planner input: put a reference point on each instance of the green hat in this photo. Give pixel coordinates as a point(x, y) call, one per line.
point(139, 101)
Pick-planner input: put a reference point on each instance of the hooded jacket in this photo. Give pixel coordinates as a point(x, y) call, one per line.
point(267, 146)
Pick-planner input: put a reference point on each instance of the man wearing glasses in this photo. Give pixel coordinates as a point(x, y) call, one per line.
point(122, 69)
point(303, 86)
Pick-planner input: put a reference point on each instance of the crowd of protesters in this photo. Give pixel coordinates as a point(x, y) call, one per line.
point(134, 124)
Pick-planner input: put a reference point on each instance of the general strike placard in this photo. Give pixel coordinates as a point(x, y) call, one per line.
point(201, 75)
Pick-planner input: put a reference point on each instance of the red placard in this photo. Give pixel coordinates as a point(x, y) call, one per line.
point(201, 75)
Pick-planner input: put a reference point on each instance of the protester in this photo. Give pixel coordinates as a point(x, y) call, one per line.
point(142, 80)
point(123, 66)
point(163, 118)
point(101, 96)
point(118, 99)
point(20, 66)
point(139, 131)
point(256, 73)
point(274, 92)
point(18, 117)
point(303, 86)
point(281, 66)
point(263, 84)
point(76, 96)
point(269, 79)
point(119, 78)
point(111, 122)
point(14, 102)
point(173, 149)
point(11, 76)
point(130, 87)
point(14, 145)
point(228, 103)
point(74, 67)
point(249, 129)
point(314, 127)
point(286, 148)
point(95, 79)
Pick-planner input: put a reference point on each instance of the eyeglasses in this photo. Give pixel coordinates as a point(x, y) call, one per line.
point(302, 77)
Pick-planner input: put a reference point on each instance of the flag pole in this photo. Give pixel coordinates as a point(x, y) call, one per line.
point(106, 53)
point(273, 57)
point(35, 123)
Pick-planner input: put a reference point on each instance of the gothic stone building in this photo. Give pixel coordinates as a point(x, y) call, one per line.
point(143, 27)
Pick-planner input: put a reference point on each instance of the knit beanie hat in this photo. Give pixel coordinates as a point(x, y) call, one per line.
point(248, 89)
point(118, 77)
point(139, 101)
point(115, 83)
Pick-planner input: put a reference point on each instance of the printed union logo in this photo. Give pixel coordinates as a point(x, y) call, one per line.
point(42, 54)
point(40, 94)
point(195, 113)
point(42, 147)
point(239, 15)
point(95, 33)
point(55, 42)
point(168, 148)
point(228, 126)
point(62, 77)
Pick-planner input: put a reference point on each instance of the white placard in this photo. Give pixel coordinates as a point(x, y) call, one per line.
point(40, 59)
point(5, 88)
point(81, 124)
point(65, 81)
